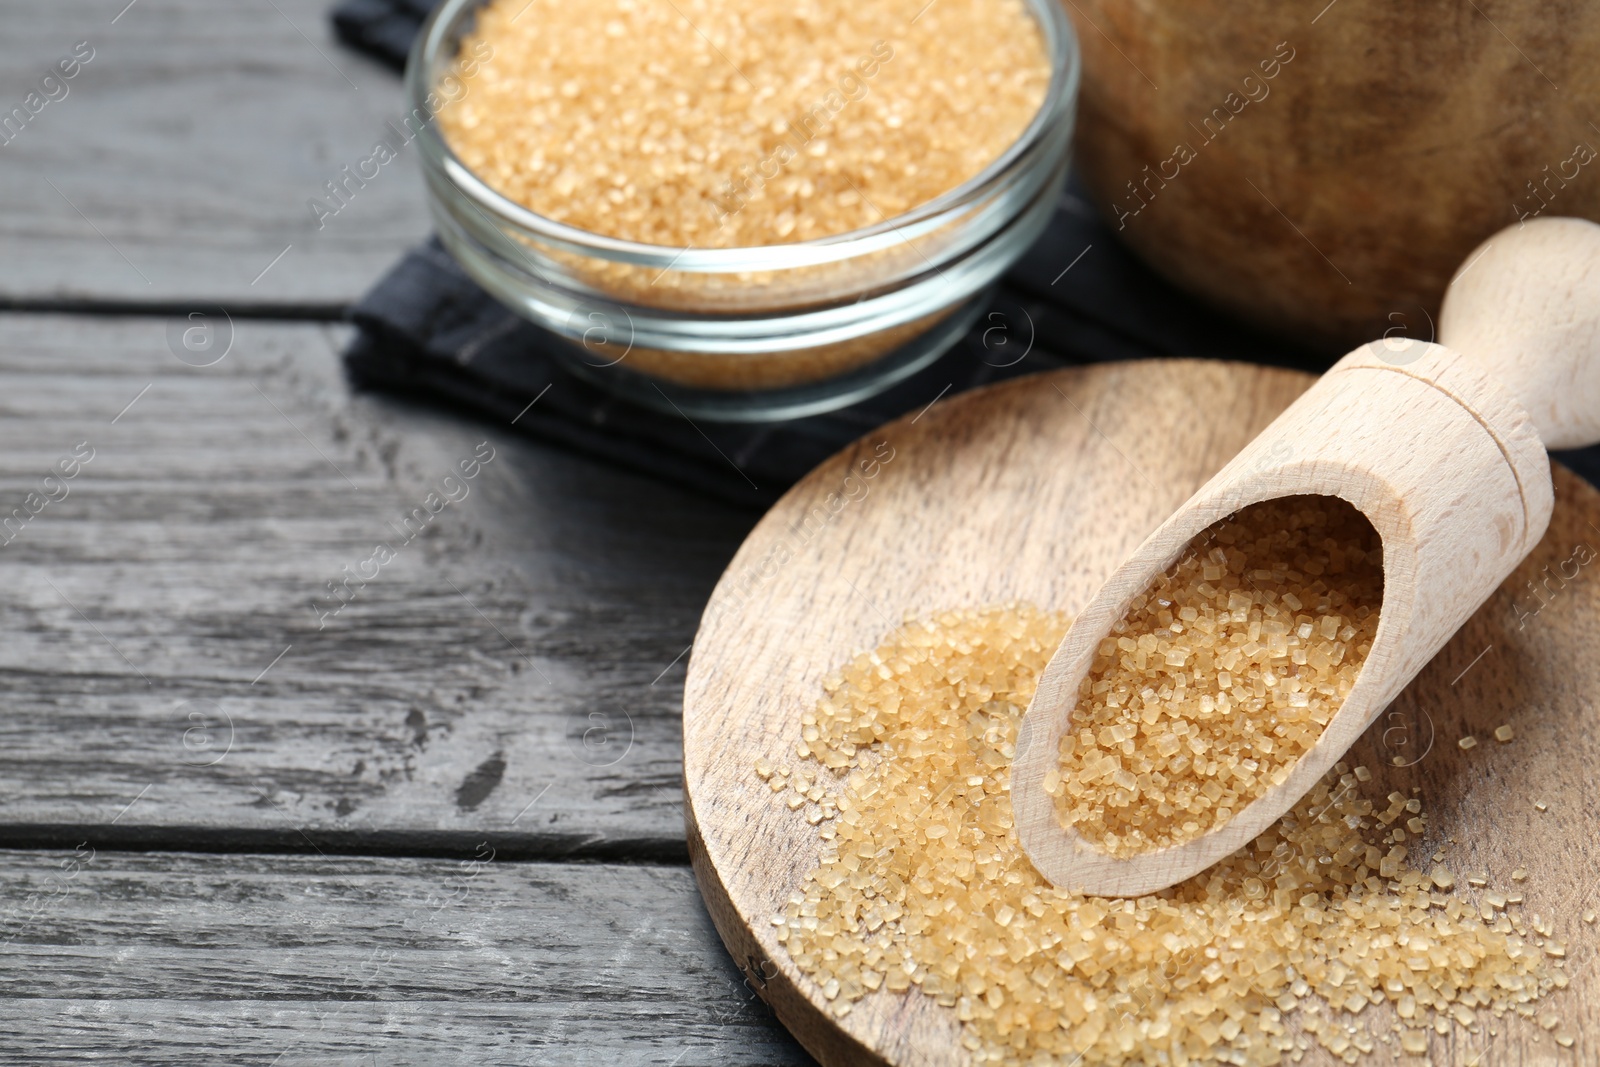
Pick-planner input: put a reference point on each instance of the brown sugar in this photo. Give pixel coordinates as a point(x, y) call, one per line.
point(735, 123)
point(772, 370)
point(1222, 674)
point(921, 884)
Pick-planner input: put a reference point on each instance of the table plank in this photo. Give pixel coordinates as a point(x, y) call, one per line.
point(516, 668)
point(181, 160)
point(173, 958)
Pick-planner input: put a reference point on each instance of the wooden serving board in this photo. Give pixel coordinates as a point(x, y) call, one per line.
point(1034, 490)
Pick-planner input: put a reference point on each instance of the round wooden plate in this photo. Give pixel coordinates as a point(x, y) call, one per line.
point(1034, 490)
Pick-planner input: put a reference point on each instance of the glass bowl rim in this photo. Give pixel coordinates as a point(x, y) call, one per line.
point(1061, 46)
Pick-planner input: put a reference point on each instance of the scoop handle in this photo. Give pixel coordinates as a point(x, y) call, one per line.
point(1525, 308)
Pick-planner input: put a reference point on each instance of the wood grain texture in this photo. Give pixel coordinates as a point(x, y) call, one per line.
point(1526, 308)
point(184, 154)
point(1323, 169)
point(185, 959)
point(1450, 472)
point(1036, 490)
point(168, 682)
point(1438, 447)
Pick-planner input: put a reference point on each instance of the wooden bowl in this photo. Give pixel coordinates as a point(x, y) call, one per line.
point(1321, 169)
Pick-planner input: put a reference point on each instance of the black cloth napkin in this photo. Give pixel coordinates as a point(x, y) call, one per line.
point(384, 29)
point(1075, 297)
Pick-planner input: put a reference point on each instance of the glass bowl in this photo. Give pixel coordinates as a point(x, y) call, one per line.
point(755, 333)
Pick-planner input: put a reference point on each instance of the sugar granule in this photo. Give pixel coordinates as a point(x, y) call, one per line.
point(921, 883)
point(733, 123)
point(1221, 675)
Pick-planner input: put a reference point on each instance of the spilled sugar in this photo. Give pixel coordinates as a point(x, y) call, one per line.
point(904, 769)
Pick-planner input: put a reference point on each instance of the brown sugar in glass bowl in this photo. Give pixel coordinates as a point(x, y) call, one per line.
point(742, 209)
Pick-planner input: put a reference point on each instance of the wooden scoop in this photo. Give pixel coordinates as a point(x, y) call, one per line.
point(1441, 446)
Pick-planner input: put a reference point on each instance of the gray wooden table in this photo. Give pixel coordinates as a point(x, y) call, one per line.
point(252, 810)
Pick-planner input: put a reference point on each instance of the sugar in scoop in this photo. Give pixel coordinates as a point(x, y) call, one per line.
point(1222, 674)
point(1442, 448)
